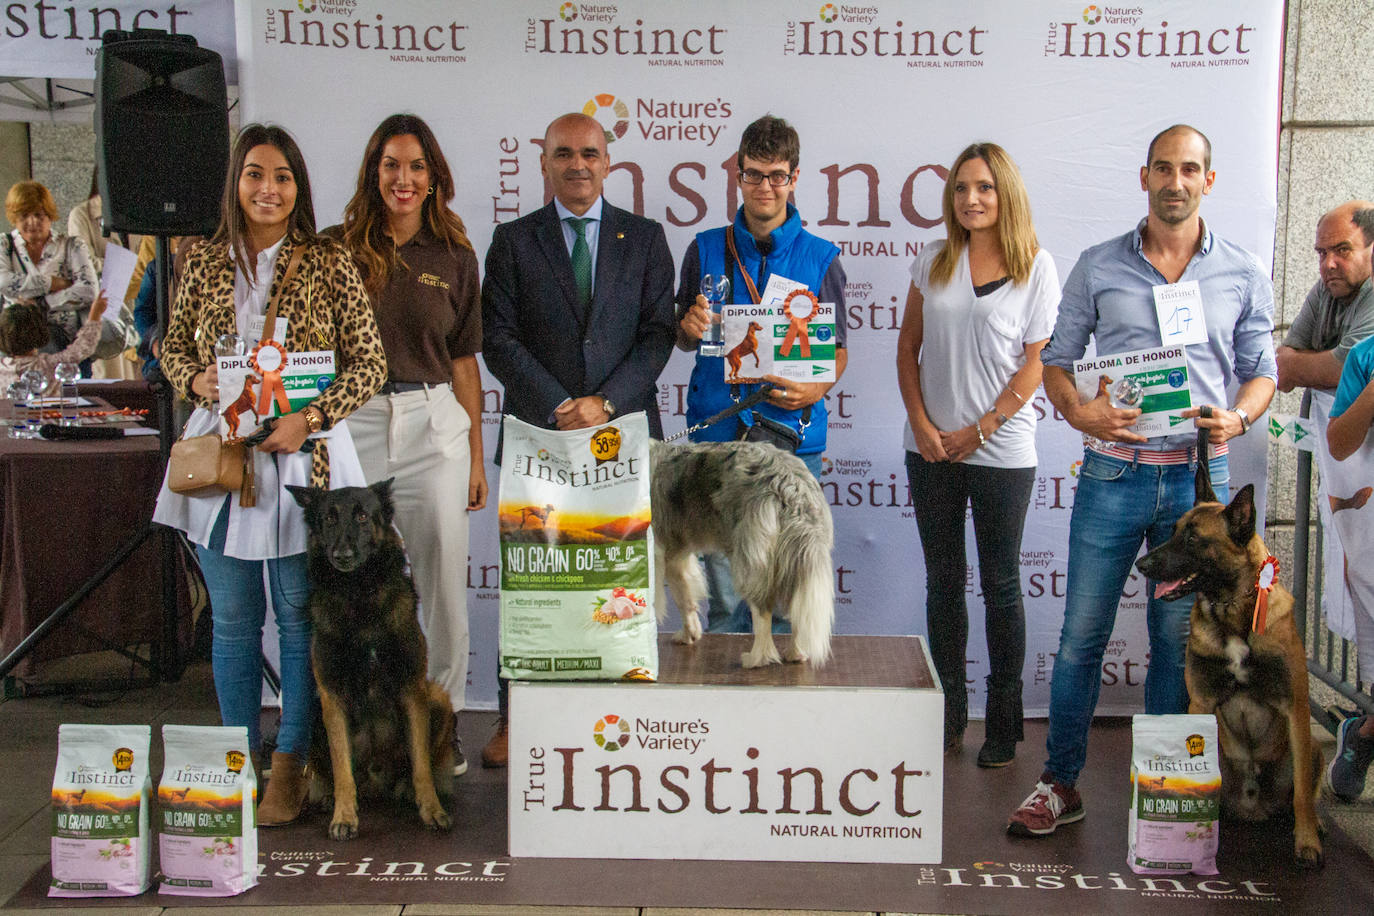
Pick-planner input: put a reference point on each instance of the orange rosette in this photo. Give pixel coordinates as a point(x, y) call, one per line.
point(798, 326)
point(268, 359)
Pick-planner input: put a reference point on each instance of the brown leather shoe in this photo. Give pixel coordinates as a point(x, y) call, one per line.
point(285, 794)
point(497, 752)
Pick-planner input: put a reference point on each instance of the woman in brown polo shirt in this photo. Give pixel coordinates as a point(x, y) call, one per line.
point(424, 428)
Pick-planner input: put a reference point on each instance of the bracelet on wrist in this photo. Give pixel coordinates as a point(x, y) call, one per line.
point(978, 425)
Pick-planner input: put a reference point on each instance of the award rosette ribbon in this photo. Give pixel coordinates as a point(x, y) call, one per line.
point(798, 333)
point(1264, 584)
point(268, 359)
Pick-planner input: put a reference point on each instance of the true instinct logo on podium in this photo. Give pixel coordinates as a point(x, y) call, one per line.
point(689, 772)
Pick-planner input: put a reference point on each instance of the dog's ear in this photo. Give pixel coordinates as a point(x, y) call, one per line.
point(304, 496)
point(1202, 480)
point(383, 490)
point(1240, 516)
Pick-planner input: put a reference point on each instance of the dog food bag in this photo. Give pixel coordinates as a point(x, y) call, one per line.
point(208, 838)
point(577, 574)
point(100, 811)
point(1175, 795)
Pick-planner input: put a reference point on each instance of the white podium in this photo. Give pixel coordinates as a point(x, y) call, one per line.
point(785, 763)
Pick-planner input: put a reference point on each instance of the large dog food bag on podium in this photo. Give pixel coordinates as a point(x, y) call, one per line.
point(100, 811)
point(207, 835)
point(1175, 795)
point(577, 587)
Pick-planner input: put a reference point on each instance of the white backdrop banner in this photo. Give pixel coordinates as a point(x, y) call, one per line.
point(44, 39)
point(884, 95)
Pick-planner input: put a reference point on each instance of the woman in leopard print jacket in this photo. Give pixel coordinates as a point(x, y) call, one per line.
point(268, 217)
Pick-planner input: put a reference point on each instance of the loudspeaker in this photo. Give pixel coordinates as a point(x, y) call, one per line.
point(161, 133)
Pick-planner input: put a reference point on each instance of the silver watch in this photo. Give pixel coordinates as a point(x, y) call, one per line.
point(1244, 419)
point(607, 406)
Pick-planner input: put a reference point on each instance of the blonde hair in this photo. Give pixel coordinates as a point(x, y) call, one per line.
point(1015, 231)
point(27, 197)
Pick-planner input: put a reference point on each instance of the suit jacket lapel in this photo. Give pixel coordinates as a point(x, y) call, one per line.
point(610, 251)
point(550, 237)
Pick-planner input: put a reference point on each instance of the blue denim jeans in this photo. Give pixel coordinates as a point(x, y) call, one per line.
point(238, 603)
point(726, 611)
point(1118, 504)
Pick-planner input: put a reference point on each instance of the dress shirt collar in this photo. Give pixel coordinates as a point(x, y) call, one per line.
point(1138, 237)
point(593, 212)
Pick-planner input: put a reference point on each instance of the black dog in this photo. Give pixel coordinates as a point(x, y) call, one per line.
point(382, 716)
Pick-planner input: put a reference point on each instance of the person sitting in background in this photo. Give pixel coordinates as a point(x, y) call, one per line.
point(24, 331)
point(145, 307)
point(45, 268)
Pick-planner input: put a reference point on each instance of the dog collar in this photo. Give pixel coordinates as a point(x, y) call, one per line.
point(1264, 583)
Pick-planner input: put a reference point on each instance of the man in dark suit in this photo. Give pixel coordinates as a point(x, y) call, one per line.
point(577, 301)
point(577, 306)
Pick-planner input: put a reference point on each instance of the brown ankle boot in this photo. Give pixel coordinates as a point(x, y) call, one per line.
point(285, 794)
point(497, 751)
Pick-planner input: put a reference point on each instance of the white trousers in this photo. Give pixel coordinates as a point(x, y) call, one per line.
point(420, 438)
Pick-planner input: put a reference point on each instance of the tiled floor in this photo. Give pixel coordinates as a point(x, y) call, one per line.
point(28, 729)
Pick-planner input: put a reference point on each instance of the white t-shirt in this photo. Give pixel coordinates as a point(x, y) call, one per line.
point(972, 345)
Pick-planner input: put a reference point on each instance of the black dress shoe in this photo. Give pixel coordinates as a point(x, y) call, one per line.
point(996, 753)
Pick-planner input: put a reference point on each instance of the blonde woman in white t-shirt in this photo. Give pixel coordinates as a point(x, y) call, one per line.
point(980, 308)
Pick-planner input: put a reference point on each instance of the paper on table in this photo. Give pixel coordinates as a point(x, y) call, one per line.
point(114, 278)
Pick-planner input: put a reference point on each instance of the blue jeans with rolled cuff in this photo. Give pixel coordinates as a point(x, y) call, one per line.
point(1118, 505)
point(238, 603)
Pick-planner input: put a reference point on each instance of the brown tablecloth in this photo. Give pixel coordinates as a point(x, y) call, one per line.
point(65, 508)
point(135, 393)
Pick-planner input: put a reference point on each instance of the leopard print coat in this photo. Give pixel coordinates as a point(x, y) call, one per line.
point(326, 307)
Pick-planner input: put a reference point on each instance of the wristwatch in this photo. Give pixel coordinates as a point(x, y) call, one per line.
point(314, 419)
point(1244, 419)
point(606, 405)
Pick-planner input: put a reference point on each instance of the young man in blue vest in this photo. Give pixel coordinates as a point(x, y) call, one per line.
point(768, 240)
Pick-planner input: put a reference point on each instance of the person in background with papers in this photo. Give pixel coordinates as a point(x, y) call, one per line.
point(24, 331)
point(979, 311)
point(40, 266)
point(1132, 488)
point(267, 224)
point(769, 242)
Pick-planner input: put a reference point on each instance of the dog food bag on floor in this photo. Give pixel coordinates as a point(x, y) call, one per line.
point(207, 835)
point(576, 553)
point(100, 811)
point(1175, 795)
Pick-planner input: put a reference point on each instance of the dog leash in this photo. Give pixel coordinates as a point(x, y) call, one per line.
point(728, 412)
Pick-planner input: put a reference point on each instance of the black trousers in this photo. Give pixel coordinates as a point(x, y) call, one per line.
point(941, 493)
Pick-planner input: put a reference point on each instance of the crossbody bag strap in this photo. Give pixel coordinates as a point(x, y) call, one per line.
point(736, 262)
point(269, 323)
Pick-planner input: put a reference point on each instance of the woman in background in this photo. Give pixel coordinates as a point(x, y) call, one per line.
point(424, 428)
point(268, 217)
point(980, 309)
point(40, 266)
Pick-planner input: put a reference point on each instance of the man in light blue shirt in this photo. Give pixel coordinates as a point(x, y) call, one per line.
point(1132, 488)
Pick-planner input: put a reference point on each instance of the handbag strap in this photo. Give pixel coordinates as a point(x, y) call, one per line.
point(269, 323)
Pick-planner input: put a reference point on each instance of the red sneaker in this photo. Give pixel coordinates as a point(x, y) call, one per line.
point(1050, 805)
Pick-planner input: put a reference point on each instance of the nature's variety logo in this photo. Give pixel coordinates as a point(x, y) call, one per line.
point(306, 6)
point(605, 102)
point(567, 12)
point(829, 13)
point(1092, 15)
point(611, 732)
point(543, 454)
point(826, 465)
point(1073, 468)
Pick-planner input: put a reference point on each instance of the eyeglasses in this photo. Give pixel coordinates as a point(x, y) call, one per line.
point(776, 179)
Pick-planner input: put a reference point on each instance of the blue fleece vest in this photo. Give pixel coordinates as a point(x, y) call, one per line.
point(797, 255)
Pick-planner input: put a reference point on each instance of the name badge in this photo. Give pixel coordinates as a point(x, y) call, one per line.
point(1179, 309)
point(255, 324)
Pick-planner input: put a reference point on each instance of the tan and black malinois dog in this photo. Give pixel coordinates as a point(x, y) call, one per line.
point(1251, 675)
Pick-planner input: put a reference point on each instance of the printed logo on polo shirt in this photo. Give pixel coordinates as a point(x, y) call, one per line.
point(429, 279)
point(611, 732)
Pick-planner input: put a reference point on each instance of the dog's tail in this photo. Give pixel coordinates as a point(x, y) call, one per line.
point(808, 584)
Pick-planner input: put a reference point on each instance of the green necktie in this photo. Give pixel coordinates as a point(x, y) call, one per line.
point(581, 259)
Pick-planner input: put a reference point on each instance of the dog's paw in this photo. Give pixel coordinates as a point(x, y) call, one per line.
point(758, 660)
point(433, 815)
point(793, 654)
point(343, 828)
point(1310, 856)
